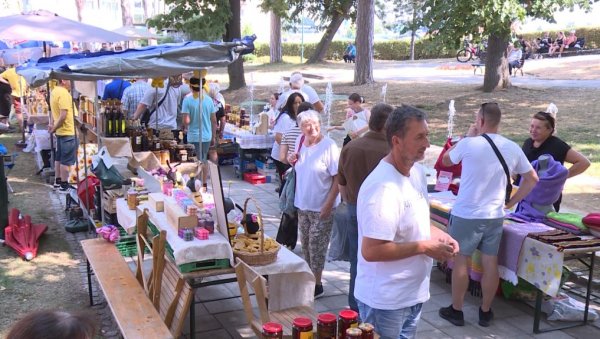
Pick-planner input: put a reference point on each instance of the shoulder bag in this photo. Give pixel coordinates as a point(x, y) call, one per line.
point(148, 113)
point(504, 166)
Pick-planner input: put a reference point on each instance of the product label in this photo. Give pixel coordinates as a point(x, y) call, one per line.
point(138, 140)
point(306, 335)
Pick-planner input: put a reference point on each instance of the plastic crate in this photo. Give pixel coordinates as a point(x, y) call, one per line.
point(203, 265)
point(261, 165)
point(255, 178)
point(126, 245)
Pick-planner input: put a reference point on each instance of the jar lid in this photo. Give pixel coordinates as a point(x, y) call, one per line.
point(366, 327)
point(272, 327)
point(302, 322)
point(348, 314)
point(326, 318)
point(354, 332)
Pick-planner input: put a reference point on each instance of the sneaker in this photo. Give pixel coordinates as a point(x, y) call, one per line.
point(455, 317)
point(319, 291)
point(65, 188)
point(56, 183)
point(485, 317)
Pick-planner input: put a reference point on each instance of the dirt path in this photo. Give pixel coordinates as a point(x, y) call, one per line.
point(53, 279)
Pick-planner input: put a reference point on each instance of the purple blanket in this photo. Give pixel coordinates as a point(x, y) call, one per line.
point(512, 241)
point(545, 193)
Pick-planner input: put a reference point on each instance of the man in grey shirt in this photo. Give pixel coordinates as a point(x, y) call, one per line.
point(165, 116)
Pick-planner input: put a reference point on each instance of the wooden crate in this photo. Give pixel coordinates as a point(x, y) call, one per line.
point(177, 218)
point(109, 200)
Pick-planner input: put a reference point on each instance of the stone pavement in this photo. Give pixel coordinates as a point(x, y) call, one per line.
point(226, 319)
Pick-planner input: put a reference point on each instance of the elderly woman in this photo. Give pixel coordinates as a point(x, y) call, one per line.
point(542, 141)
point(214, 91)
point(316, 162)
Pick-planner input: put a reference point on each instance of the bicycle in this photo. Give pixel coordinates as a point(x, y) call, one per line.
point(470, 51)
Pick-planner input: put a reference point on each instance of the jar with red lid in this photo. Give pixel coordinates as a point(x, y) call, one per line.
point(272, 330)
point(326, 326)
point(368, 330)
point(302, 328)
point(346, 319)
point(353, 333)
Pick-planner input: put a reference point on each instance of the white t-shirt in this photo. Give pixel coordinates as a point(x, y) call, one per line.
point(483, 180)
point(281, 126)
point(393, 207)
point(167, 111)
point(315, 168)
point(308, 93)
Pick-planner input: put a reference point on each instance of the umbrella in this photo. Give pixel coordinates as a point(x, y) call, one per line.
point(45, 25)
point(23, 236)
point(136, 32)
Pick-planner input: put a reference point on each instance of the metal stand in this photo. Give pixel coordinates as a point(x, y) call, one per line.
point(539, 296)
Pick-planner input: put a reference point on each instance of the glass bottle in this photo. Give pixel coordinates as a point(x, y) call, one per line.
point(108, 119)
point(326, 326)
point(122, 121)
point(144, 140)
point(302, 328)
point(272, 330)
point(115, 119)
point(346, 319)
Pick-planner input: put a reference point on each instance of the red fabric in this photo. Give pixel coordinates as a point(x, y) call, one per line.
point(91, 190)
point(592, 220)
point(454, 169)
point(22, 236)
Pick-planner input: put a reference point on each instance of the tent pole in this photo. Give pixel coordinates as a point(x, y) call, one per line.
point(200, 100)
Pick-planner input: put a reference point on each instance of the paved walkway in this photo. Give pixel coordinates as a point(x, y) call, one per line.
point(226, 319)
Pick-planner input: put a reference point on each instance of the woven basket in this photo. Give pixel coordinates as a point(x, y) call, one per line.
point(261, 257)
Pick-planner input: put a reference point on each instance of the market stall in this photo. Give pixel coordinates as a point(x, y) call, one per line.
point(524, 254)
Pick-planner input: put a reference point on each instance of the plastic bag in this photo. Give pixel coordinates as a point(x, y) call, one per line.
point(565, 308)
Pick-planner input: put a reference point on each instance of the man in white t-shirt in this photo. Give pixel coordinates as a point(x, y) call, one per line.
point(477, 215)
point(297, 85)
point(168, 97)
point(395, 238)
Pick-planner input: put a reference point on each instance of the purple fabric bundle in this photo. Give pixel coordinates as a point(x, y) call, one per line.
point(563, 226)
point(545, 193)
point(512, 241)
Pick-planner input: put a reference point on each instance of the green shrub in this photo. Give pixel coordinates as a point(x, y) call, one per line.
point(400, 49)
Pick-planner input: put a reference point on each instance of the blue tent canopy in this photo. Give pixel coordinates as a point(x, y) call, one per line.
point(149, 62)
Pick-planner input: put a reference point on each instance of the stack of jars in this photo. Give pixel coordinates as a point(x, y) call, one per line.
point(344, 326)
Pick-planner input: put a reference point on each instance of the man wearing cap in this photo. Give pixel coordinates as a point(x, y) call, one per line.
point(297, 85)
point(194, 122)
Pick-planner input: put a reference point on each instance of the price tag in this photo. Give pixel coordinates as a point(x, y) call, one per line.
point(443, 181)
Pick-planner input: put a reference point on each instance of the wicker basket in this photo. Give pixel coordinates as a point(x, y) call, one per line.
point(261, 257)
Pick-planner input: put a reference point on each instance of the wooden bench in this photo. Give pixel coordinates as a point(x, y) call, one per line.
point(134, 312)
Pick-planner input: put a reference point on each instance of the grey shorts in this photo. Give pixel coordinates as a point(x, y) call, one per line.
point(472, 234)
point(66, 150)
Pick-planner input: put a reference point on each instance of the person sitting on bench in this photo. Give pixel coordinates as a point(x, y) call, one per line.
point(568, 42)
point(514, 57)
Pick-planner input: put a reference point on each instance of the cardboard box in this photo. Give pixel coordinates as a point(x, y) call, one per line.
point(156, 201)
point(176, 217)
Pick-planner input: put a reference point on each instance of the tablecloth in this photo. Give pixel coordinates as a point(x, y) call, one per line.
point(127, 217)
point(541, 265)
point(247, 140)
point(185, 252)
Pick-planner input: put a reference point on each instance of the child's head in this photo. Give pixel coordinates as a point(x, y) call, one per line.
point(355, 100)
point(53, 324)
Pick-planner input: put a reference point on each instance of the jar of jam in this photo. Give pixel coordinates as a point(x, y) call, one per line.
point(302, 328)
point(368, 331)
point(132, 199)
point(183, 155)
point(353, 333)
point(326, 326)
point(346, 319)
point(272, 330)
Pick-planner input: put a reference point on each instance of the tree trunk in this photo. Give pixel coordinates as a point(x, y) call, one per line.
point(413, 33)
point(275, 50)
point(126, 13)
point(233, 31)
point(145, 7)
point(496, 66)
point(79, 4)
point(365, 16)
point(332, 28)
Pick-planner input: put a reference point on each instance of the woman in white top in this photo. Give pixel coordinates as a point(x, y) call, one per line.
point(357, 118)
point(273, 112)
point(315, 160)
point(284, 121)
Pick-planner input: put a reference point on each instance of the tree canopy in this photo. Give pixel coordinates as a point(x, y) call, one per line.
point(450, 21)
